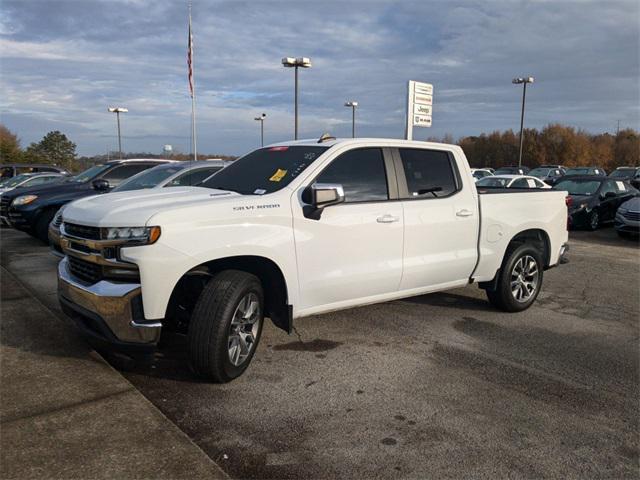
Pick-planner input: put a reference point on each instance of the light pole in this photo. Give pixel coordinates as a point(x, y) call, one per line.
point(118, 111)
point(524, 82)
point(261, 120)
point(353, 106)
point(290, 62)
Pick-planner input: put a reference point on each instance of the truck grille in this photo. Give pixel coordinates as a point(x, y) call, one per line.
point(82, 231)
point(4, 205)
point(89, 272)
point(633, 216)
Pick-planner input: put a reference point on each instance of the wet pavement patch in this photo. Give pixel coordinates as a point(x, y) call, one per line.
point(316, 345)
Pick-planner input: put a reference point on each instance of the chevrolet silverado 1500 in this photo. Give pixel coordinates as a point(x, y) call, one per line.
point(298, 229)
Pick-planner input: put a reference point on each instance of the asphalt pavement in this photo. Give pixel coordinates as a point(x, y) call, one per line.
point(440, 385)
point(64, 411)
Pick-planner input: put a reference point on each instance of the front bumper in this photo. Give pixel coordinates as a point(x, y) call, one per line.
point(54, 241)
point(109, 313)
point(626, 225)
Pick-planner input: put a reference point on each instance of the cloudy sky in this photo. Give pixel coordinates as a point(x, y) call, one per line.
point(64, 62)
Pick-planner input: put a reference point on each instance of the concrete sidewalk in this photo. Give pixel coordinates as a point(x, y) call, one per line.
point(66, 413)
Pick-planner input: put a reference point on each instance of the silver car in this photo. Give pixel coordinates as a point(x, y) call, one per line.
point(175, 174)
point(627, 221)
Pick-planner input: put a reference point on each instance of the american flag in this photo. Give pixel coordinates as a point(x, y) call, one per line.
point(190, 58)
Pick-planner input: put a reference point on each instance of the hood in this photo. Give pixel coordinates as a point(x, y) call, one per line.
point(134, 208)
point(54, 188)
point(632, 205)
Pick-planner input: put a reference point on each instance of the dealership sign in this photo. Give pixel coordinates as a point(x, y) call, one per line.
point(419, 106)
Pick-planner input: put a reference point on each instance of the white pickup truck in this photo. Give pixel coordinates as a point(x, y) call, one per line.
point(298, 229)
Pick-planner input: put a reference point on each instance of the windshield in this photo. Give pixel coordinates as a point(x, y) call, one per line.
point(265, 170)
point(578, 171)
point(493, 182)
point(578, 187)
point(506, 171)
point(149, 178)
point(89, 174)
point(13, 181)
point(540, 172)
point(623, 172)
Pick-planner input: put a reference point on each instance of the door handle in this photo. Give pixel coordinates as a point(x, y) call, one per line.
point(387, 219)
point(464, 213)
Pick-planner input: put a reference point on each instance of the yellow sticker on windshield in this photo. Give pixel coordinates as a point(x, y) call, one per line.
point(279, 175)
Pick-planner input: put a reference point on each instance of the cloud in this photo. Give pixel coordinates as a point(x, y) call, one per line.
point(64, 62)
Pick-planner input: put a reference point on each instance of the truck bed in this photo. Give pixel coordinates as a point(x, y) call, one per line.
point(504, 212)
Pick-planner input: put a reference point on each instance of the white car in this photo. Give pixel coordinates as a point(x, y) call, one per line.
point(479, 173)
point(298, 229)
point(174, 174)
point(511, 181)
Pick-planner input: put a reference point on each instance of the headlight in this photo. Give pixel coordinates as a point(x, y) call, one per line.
point(24, 200)
point(145, 235)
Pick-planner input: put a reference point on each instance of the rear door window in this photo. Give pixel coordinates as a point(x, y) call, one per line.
point(521, 183)
point(429, 173)
point(362, 174)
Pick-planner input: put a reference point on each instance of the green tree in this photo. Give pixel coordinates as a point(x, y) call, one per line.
point(9, 146)
point(54, 148)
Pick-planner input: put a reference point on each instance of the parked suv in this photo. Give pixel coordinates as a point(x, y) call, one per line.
point(32, 209)
point(631, 174)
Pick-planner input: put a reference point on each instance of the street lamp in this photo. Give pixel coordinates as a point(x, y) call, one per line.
point(261, 120)
point(118, 111)
point(524, 82)
point(290, 62)
point(353, 106)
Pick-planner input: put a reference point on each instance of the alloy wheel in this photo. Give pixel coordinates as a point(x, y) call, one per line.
point(244, 328)
point(524, 278)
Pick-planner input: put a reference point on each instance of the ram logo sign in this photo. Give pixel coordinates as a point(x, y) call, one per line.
point(419, 106)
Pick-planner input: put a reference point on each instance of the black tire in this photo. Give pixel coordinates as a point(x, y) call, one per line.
point(594, 221)
point(210, 327)
point(502, 297)
point(41, 230)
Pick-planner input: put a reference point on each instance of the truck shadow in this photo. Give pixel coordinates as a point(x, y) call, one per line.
point(448, 299)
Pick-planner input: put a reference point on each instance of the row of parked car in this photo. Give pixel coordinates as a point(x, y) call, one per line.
point(30, 201)
point(594, 198)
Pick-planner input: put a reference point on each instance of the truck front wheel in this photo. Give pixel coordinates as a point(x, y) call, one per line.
point(519, 279)
point(226, 324)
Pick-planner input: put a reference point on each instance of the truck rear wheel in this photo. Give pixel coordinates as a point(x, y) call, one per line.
point(519, 279)
point(225, 326)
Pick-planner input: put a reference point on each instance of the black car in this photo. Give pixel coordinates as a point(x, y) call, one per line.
point(593, 199)
point(630, 174)
point(512, 170)
point(548, 175)
point(586, 171)
point(32, 209)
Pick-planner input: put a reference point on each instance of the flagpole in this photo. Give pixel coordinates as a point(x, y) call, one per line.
point(193, 93)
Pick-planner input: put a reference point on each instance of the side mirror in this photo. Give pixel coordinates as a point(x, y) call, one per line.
point(609, 195)
point(319, 196)
point(100, 184)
